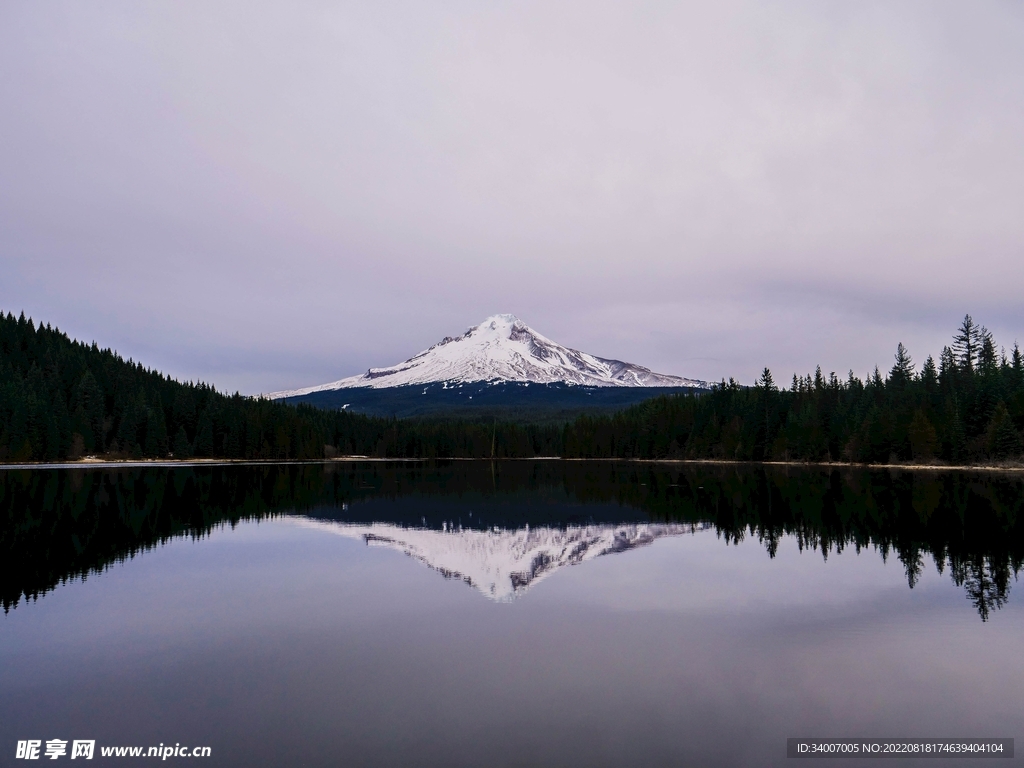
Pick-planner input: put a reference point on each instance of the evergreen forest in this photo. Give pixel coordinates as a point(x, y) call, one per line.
point(62, 400)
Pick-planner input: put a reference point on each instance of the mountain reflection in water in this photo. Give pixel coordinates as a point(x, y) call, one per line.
point(519, 520)
point(502, 564)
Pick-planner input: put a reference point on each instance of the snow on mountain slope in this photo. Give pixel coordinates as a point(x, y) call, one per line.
point(503, 348)
point(502, 564)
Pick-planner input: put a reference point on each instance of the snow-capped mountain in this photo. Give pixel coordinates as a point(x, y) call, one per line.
point(502, 564)
point(503, 349)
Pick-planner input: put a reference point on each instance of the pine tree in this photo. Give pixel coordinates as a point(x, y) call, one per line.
point(51, 437)
point(903, 369)
point(62, 421)
point(923, 438)
point(233, 443)
point(182, 447)
point(987, 359)
point(876, 380)
point(947, 366)
point(81, 426)
point(957, 438)
point(156, 433)
point(90, 398)
point(929, 375)
point(966, 344)
point(204, 436)
point(1003, 439)
point(19, 443)
point(127, 431)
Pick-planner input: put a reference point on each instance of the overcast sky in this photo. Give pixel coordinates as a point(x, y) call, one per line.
point(270, 195)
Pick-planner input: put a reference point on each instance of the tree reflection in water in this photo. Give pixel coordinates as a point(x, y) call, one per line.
point(61, 524)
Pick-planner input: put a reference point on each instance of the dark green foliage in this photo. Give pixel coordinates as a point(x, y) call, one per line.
point(923, 438)
point(182, 447)
point(902, 372)
point(968, 408)
point(204, 436)
point(1003, 438)
point(63, 399)
point(157, 443)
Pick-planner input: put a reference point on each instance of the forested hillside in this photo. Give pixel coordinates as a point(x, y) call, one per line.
point(968, 407)
point(61, 399)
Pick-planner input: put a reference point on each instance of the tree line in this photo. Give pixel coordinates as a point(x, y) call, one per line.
point(967, 407)
point(63, 399)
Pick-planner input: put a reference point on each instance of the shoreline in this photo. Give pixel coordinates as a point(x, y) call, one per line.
point(92, 462)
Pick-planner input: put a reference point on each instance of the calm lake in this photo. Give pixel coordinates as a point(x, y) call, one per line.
point(509, 613)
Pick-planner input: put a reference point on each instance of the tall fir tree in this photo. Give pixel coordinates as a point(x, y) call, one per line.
point(902, 372)
point(182, 447)
point(966, 344)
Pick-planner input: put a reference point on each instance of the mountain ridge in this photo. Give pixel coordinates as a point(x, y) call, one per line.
point(502, 349)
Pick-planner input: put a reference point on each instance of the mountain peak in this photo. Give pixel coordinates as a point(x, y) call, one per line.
point(503, 348)
point(495, 321)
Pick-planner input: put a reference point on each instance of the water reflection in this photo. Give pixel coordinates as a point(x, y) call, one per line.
point(520, 520)
point(503, 564)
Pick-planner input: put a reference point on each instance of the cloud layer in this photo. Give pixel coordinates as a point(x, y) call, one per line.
point(270, 196)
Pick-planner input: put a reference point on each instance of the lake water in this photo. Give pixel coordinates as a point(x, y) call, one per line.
point(507, 614)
